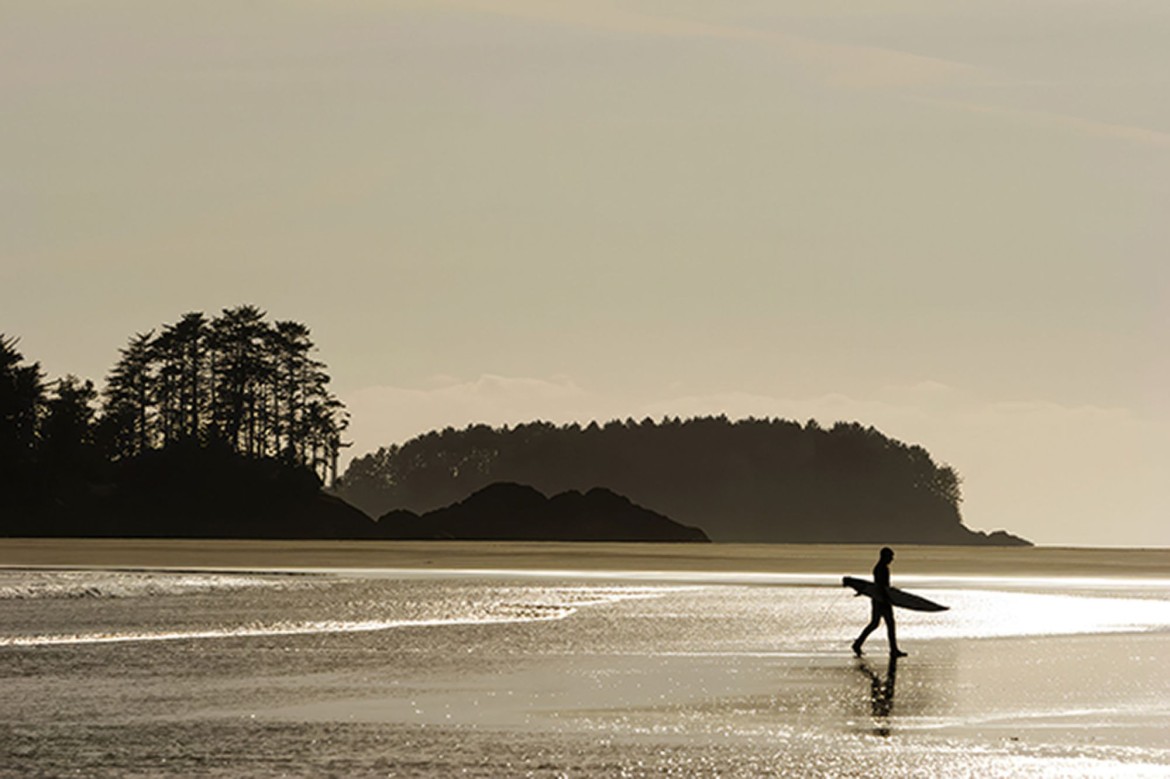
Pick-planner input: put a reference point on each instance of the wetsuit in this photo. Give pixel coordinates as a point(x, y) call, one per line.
point(881, 609)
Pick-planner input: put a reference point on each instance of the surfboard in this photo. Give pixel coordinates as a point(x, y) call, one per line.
point(897, 597)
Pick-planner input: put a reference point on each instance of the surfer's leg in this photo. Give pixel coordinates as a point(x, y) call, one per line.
point(892, 632)
point(874, 618)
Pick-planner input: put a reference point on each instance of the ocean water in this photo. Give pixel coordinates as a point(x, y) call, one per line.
point(509, 673)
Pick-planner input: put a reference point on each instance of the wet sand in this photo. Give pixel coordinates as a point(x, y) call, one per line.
point(745, 558)
point(1050, 663)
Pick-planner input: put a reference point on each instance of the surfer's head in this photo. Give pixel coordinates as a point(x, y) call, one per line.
point(887, 554)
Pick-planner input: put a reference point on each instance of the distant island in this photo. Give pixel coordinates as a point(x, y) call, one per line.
point(224, 427)
point(755, 480)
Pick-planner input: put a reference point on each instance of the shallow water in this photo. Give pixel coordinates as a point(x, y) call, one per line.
point(399, 673)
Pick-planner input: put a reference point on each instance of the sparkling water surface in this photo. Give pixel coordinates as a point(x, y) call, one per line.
point(397, 673)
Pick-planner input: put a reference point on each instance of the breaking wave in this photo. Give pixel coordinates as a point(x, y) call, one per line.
point(39, 585)
point(479, 606)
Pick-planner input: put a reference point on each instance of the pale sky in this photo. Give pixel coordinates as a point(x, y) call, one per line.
point(947, 220)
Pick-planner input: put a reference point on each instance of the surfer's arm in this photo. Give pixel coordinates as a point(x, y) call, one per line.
point(881, 585)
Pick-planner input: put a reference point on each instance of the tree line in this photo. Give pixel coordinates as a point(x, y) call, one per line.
point(225, 426)
point(235, 384)
point(236, 379)
point(748, 480)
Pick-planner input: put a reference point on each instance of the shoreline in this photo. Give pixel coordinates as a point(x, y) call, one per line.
point(703, 681)
point(1068, 562)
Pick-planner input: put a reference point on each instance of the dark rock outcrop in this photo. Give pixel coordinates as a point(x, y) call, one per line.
point(1002, 538)
point(514, 512)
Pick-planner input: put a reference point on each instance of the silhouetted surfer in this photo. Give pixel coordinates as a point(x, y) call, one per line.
point(881, 606)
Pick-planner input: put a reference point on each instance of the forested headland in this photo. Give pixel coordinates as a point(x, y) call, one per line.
point(221, 426)
point(225, 427)
point(763, 480)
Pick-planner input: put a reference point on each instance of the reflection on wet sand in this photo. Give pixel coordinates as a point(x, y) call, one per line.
point(881, 694)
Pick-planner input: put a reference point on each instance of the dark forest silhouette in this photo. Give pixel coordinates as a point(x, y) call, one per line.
point(766, 480)
point(220, 426)
point(225, 427)
point(236, 380)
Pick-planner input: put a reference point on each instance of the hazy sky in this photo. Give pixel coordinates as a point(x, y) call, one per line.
point(948, 220)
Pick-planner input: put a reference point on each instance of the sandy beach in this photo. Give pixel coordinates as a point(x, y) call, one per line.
point(743, 558)
point(270, 659)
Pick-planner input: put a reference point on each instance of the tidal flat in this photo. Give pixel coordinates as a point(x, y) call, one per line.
point(434, 659)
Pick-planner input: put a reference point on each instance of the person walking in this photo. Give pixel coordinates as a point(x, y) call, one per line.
point(882, 609)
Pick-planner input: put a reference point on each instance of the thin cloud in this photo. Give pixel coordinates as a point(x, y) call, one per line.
point(387, 415)
point(842, 65)
point(1079, 124)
